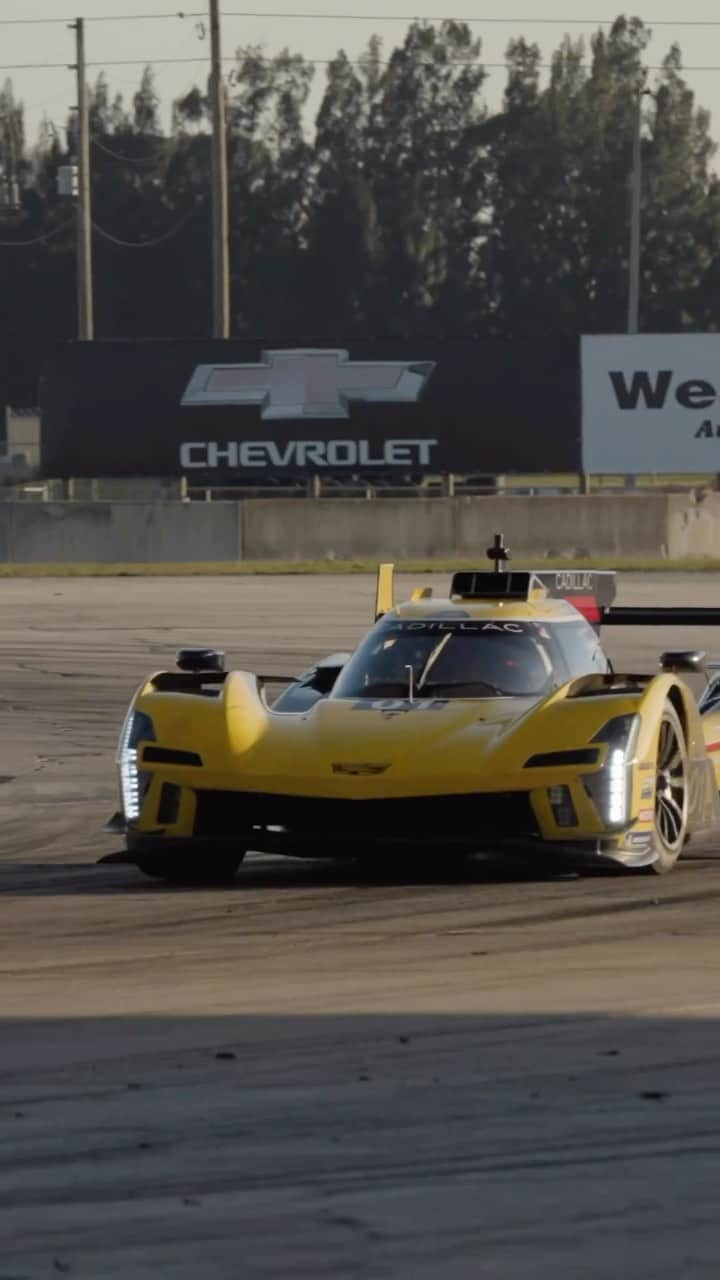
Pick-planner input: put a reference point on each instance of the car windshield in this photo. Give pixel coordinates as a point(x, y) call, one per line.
point(451, 659)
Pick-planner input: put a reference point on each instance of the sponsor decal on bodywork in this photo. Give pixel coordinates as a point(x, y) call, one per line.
point(574, 581)
point(399, 706)
point(638, 840)
point(442, 626)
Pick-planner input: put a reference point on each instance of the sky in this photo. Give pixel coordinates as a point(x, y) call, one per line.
point(50, 92)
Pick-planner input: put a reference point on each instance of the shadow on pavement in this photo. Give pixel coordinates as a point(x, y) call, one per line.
point(261, 872)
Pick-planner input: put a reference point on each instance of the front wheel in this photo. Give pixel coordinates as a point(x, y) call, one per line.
point(671, 792)
point(191, 868)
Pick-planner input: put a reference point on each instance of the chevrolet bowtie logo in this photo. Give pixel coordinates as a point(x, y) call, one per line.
point(308, 384)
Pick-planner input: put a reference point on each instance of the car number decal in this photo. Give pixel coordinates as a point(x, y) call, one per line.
point(399, 706)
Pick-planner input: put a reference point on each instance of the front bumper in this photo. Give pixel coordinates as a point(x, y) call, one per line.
point(332, 827)
point(313, 827)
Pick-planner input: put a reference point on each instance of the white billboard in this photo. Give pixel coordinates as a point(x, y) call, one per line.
point(651, 403)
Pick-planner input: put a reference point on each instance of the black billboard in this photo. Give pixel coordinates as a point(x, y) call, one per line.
point(241, 411)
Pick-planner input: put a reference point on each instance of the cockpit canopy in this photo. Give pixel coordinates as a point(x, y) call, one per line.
point(463, 658)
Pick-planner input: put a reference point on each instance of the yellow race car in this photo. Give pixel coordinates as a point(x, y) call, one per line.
point(488, 720)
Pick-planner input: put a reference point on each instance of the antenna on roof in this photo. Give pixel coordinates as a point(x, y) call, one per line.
point(498, 552)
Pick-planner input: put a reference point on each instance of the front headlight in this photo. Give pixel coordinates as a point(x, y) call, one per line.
point(610, 789)
point(138, 727)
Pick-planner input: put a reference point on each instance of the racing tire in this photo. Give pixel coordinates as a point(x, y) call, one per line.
point(198, 869)
point(671, 793)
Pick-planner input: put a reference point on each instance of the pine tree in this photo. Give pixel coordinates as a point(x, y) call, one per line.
point(270, 177)
point(681, 219)
point(343, 220)
point(146, 105)
point(14, 166)
point(427, 173)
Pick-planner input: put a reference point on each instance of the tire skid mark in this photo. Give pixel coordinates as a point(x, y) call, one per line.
point(368, 1175)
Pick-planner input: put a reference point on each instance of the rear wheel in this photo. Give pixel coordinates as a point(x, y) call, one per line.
point(671, 792)
point(195, 868)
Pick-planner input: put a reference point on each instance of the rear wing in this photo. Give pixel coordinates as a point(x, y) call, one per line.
point(591, 591)
point(660, 616)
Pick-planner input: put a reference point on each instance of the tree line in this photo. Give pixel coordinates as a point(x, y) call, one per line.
point(410, 208)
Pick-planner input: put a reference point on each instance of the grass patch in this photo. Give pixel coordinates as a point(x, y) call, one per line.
point(313, 567)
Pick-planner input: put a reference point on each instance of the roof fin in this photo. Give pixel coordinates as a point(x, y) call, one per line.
point(384, 592)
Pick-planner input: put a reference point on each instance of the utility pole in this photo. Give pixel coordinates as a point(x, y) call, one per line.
point(220, 253)
point(633, 317)
point(84, 214)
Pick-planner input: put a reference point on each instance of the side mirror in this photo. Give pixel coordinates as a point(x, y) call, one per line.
point(200, 659)
point(328, 670)
point(691, 661)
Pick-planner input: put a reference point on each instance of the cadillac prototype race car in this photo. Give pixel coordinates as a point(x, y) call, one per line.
point(489, 720)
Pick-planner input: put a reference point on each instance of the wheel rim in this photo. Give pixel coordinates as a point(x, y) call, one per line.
point(670, 787)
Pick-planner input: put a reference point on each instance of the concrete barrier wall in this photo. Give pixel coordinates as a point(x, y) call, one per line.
point(410, 528)
point(653, 525)
point(573, 525)
point(694, 529)
point(345, 528)
point(119, 532)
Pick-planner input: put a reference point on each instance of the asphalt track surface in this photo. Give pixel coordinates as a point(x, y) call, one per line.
point(326, 1071)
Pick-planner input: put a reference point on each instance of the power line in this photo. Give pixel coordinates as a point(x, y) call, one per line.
point(32, 22)
point(116, 155)
point(36, 66)
point(410, 18)
point(105, 17)
point(363, 17)
point(145, 244)
point(47, 235)
point(102, 62)
point(146, 17)
point(313, 62)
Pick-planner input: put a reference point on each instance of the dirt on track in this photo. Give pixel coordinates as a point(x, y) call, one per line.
point(324, 1071)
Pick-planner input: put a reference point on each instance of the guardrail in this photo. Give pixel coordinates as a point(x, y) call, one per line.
point(147, 489)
